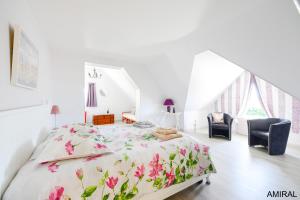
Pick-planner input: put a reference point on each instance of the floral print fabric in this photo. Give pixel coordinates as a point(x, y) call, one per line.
point(139, 165)
point(70, 142)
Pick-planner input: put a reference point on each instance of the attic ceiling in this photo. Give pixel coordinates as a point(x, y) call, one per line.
point(164, 36)
point(116, 26)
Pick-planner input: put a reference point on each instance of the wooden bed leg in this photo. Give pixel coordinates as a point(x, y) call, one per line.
point(207, 180)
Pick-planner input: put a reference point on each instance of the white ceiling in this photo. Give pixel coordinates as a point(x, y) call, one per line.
point(164, 36)
point(115, 26)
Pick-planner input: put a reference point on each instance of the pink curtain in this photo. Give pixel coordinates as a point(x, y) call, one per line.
point(275, 102)
point(296, 115)
point(246, 91)
point(92, 97)
point(281, 104)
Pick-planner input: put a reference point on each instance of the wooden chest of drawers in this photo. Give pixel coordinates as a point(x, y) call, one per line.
point(103, 119)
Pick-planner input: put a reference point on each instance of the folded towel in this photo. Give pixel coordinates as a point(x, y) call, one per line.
point(166, 131)
point(143, 124)
point(166, 137)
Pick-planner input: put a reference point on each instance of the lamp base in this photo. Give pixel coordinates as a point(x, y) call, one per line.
point(168, 108)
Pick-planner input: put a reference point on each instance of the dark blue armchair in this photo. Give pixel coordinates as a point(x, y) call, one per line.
point(220, 129)
point(272, 133)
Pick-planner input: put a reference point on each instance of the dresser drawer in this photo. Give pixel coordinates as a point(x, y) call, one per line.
point(103, 119)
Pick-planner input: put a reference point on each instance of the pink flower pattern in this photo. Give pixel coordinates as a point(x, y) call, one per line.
point(182, 151)
point(196, 147)
point(92, 131)
point(72, 131)
point(156, 167)
point(139, 173)
point(56, 193)
point(170, 177)
point(53, 167)
point(79, 173)
point(69, 147)
point(112, 182)
point(100, 146)
point(161, 169)
point(93, 157)
point(205, 150)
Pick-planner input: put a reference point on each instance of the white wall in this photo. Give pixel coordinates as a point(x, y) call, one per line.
point(14, 12)
point(194, 120)
point(119, 92)
point(211, 75)
point(69, 85)
point(20, 129)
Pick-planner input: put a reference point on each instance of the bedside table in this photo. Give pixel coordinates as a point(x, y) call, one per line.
point(103, 119)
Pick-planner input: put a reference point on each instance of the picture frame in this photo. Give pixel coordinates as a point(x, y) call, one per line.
point(25, 61)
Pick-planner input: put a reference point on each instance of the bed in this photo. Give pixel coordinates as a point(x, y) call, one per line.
point(129, 164)
point(128, 117)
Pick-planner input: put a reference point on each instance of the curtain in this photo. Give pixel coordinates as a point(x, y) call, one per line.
point(245, 92)
point(295, 115)
point(279, 104)
point(275, 102)
point(92, 97)
point(232, 100)
point(265, 91)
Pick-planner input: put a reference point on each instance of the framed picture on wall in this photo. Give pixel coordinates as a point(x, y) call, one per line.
point(25, 61)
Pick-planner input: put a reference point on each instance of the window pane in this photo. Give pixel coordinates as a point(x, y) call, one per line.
point(254, 109)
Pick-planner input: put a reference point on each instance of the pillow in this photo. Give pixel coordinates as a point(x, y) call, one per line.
point(72, 142)
point(218, 117)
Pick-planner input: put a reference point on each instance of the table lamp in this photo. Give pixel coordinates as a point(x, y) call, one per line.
point(55, 111)
point(168, 103)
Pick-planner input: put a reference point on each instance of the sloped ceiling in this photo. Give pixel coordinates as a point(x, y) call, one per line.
point(211, 75)
point(260, 36)
point(116, 26)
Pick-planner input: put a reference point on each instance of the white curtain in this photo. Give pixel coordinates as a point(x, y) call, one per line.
point(265, 91)
point(233, 99)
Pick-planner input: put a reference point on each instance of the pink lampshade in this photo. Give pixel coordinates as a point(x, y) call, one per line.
point(168, 102)
point(55, 110)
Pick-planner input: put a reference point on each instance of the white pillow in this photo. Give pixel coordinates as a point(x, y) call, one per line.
point(218, 117)
point(75, 141)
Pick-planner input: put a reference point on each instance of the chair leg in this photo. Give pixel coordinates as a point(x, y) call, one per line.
point(207, 180)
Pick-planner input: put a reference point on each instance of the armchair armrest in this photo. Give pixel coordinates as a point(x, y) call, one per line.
point(278, 137)
point(280, 129)
point(228, 119)
point(209, 119)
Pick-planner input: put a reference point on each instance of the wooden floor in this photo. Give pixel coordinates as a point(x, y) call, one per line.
point(244, 172)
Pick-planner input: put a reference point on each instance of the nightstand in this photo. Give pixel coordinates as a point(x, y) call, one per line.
point(103, 119)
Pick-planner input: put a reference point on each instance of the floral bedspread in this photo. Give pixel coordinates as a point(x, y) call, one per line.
point(140, 164)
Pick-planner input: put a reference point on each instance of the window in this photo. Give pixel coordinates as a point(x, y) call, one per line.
point(254, 108)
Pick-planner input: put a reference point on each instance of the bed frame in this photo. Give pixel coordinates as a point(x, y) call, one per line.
point(126, 119)
point(167, 192)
